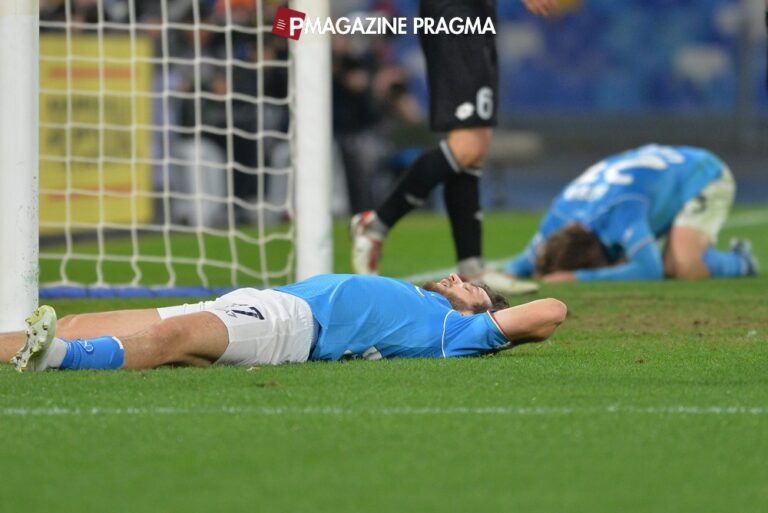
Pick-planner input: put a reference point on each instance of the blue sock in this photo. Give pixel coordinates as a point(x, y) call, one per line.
point(722, 264)
point(94, 353)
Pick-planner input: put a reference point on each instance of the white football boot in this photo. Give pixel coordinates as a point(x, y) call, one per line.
point(743, 248)
point(366, 246)
point(37, 352)
point(506, 283)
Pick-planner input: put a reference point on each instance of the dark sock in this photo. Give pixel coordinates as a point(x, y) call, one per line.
point(462, 200)
point(431, 168)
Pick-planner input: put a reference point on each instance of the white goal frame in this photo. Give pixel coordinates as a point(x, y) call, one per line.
point(19, 245)
point(19, 154)
point(314, 142)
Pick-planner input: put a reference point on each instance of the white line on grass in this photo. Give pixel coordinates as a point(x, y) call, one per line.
point(750, 218)
point(333, 411)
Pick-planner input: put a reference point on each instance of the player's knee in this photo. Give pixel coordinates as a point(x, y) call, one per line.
point(69, 325)
point(682, 273)
point(167, 339)
point(684, 267)
point(470, 147)
point(66, 322)
point(688, 270)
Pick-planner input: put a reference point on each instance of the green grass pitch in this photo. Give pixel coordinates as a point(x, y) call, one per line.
point(650, 398)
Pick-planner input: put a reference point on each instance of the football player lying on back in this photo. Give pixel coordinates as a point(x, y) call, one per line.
point(327, 317)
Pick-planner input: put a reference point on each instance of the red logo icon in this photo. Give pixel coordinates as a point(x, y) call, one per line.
point(288, 23)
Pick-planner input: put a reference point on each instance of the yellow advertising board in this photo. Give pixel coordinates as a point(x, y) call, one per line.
point(94, 144)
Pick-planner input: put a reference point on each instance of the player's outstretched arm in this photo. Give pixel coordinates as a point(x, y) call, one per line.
point(531, 322)
point(645, 264)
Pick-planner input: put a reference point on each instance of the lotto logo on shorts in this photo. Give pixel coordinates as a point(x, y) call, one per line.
point(249, 311)
point(288, 23)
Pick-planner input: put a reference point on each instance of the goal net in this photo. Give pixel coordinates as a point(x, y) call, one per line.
point(170, 142)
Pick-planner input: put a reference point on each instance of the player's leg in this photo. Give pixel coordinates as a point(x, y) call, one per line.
point(197, 339)
point(462, 78)
point(118, 323)
point(244, 327)
point(691, 255)
point(138, 329)
point(469, 147)
point(411, 191)
point(683, 256)
point(193, 339)
point(10, 343)
point(462, 197)
point(369, 229)
point(531, 322)
point(433, 167)
point(464, 102)
point(691, 251)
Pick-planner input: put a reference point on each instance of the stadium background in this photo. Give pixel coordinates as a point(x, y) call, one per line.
point(574, 88)
point(604, 77)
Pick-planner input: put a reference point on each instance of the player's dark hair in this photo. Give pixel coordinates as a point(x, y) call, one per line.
point(498, 300)
point(570, 248)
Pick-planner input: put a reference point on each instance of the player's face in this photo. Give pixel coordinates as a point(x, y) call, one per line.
point(464, 296)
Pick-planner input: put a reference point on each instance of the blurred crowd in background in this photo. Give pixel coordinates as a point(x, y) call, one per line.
point(630, 58)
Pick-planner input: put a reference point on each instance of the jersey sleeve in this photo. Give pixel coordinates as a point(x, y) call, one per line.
point(524, 264)
point(469, 335)
point(627, 227)
point(645, 265)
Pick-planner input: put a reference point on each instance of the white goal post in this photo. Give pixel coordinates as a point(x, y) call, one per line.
point(312, 56)
point(90, 125)
point(18, 161)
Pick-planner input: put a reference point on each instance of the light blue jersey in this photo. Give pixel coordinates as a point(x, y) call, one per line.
point(628, 201)
point(375, 317)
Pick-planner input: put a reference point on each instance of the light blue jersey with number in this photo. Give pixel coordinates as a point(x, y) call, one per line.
point(627, 200)
point(375, 317)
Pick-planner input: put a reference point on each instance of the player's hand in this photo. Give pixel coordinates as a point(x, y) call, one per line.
point(559, 277)
point(541, 7)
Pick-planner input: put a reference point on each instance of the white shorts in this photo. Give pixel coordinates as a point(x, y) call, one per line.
point(264, 326)
point(709, 209)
